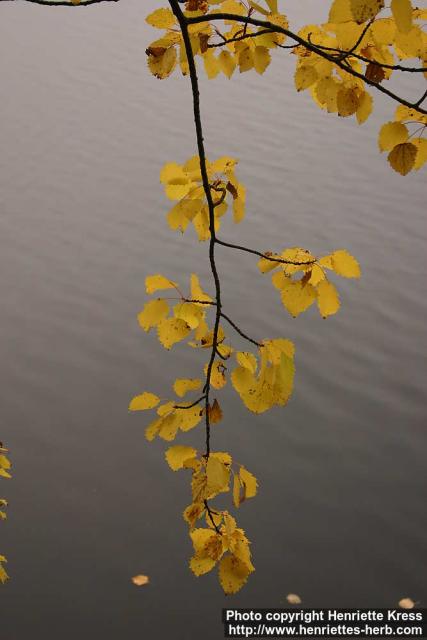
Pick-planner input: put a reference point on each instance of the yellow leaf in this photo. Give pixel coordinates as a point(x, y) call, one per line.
point(233, 574)
point(140, 580)
point(144, 401)
point(364, 10)
point(212, 65)
point(247, 360)
point(172, 330)
point(345, 264)
point(153, 312)
point(347, 102)
point(402, 157)
point(176, 456)
point(153, 429)
point(189, 417)
point(169, 426)
point(200, 565)
point(262, 59)
point(317, 275)
point(340, 11)
point(193, 512)
point(215, 412)
point(218, 379)
point(156, 282)
point(184, 385)
point(265, 265)
point(197, 292)
point(249, 483)
point(3, 575)
point(327, 298)
point(293, 598)
point(297, 296)
point(406, 603)
point(191, 313)
point(218, 477)
point(162, 64)
point(227, 63)
point(364, 108)
point(305, 77)
point(391, 134)
point(236, 491)
point(402, 14)
point(246, 60)
point(161, 19)
point(421, 145)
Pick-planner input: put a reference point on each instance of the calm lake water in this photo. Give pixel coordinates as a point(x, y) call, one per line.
point(340, 518)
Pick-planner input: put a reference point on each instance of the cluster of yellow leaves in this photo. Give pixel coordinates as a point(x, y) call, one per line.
point(221, 542)
point(269, 381)
point(225, 545)
point(407, 150)
point(184, 183)
point(363, 28)
point(4, 473)
point(375, 35)
point(167, 52)
point(172, 416)
point(302, 284)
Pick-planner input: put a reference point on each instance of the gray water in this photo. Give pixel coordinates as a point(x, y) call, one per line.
point(340, 516)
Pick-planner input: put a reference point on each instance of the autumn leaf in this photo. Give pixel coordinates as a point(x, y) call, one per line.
point(140, 580)
point(293, 598)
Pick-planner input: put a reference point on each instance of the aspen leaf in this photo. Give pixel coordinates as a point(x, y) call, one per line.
point(249, 483)
point(218, 379)
point(171, 331)
point(161, 19)
point(169, 426)
point(391, 134)
point(156, 282)
point(265, 265)
point(176, 456)
point(3, 575)
point(233, 574)
point(402, 157)
point(227, 63)
point(212, 65)
point(305, 77)
point(184, 385)
point(297, 296)
point(153, 312)
point(215, 412)
point(237, 491)
point(363, 10)
point(406, 603)
point(191, 313)
point(317, 275)
point(364, 108)
point(246, 60)
point(345, 264)
point(218, 477)
point(197, 292)
point(189, 418)
point(293, 598)
point(247, 360)
point(347, 102)
point(421, 145)
point(327, 298)
point(140, 580)
point(200, 565)
point(161, 64)
point(261, 59)
point(402, 14)
point(153, 429)
point(193, 512)
point(223, 457)
point(144, 401)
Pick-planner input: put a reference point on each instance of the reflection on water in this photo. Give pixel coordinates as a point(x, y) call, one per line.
point(340, 517)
